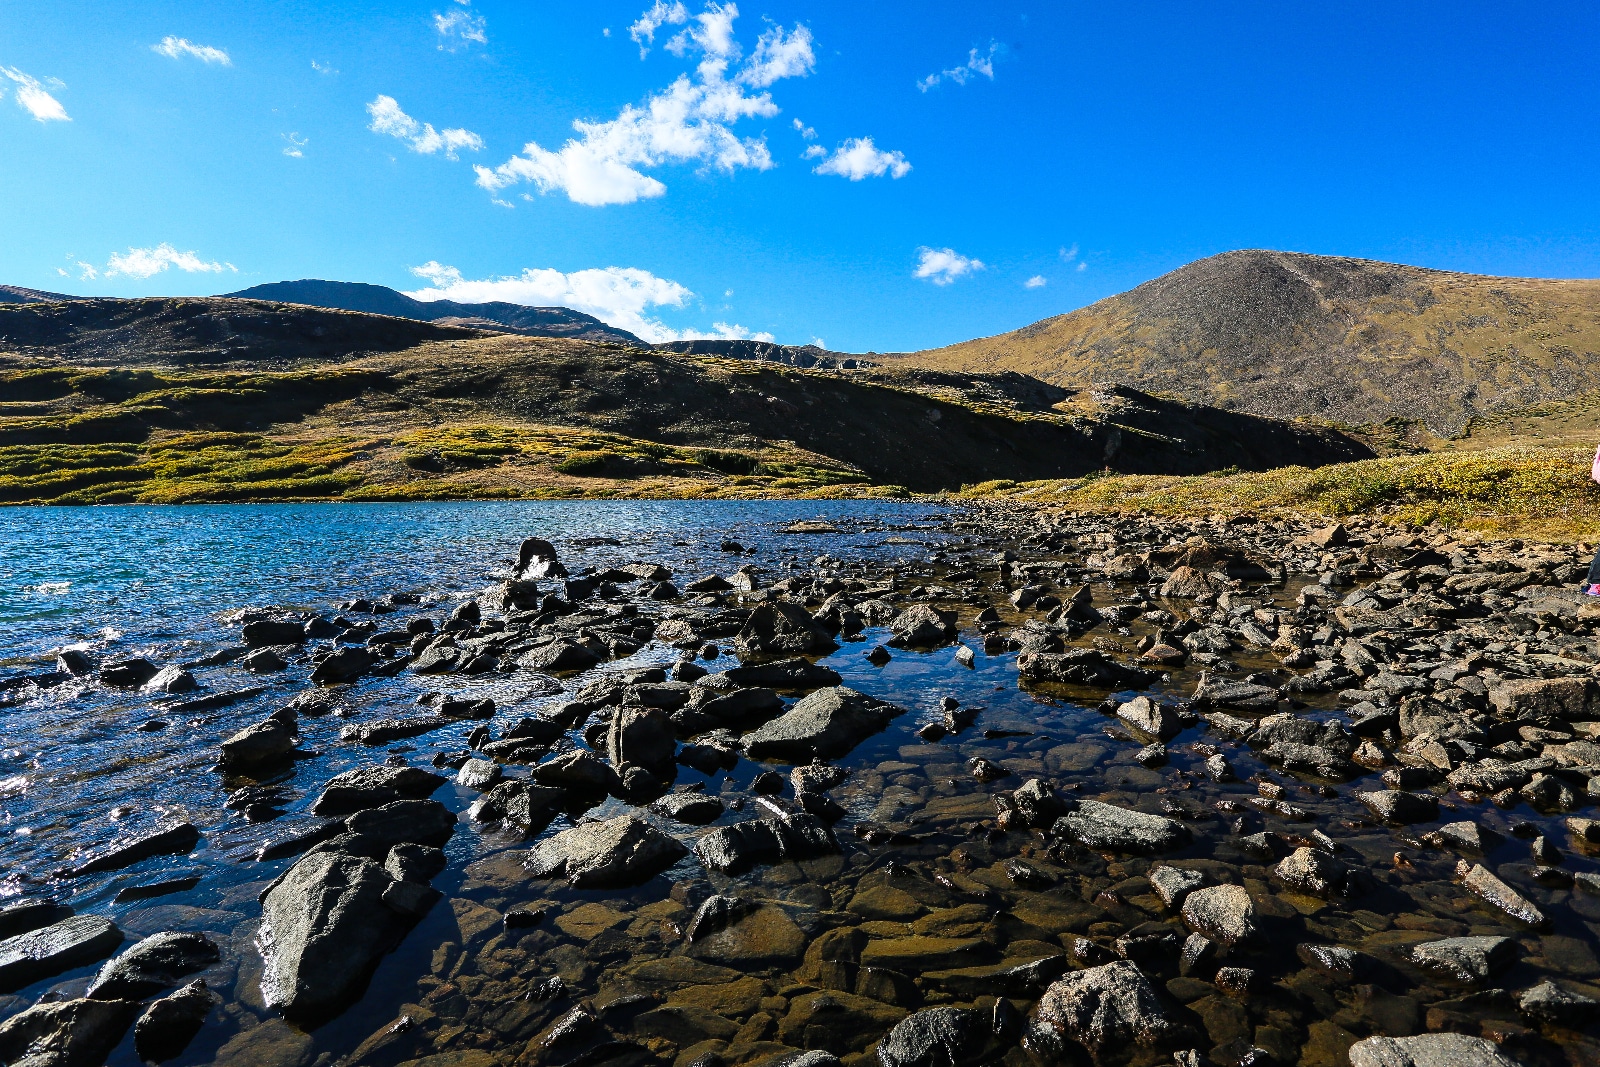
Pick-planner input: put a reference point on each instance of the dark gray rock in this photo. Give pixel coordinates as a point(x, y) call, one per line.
point(1312, 871)
point(559, 657)
point(171, 680)
point(269, 743)
point(273, 632)
point(696, 808)
point(169, 1024)
point(934, 1037)
point(27, 915)
point(1151, 718)
point(1099, 825)
point(793, 673)
point(1334, 960)
point(1465, 959)
point(372, 787)
point(1082, 666)
point(581, 771)
point(127, 673)
point(618, 852)
point(827, 724)
point(480, 775)
point(75, 662)
point(1483, 882)
point(172, 839)
point(68, 1033)
point(154, 964)
point(419, 822)
point(343, 666)
point(921, 626)
point(781, 628)
point(411, 862)
point(1398, 806)
point(641, 737)
point(1172, 884)
point(49, 950)
point(741, 845)
point(716, 913)
point(326, 925)
point(385, 731)
point(1100, 1008)
point(1549, 1003)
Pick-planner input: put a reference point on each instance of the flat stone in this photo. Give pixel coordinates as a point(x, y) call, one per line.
point(49, 950)
point(1172, 884)
point(762, 936)
point(1480, 880)
point(826, 724)
point(1465, 959)
point(618, 852)
point(70, 1033)
point(169, 1024)
point(168, 840)
point(372, 787)
point(1428, 1050)
point(695, 808)
point(1106, 826)
point(913, 955)
point(1548, 1002)
point(1398, 806)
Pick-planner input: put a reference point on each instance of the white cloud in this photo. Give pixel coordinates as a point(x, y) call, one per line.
point(688, 122)
point(859, 158)
point(814, 151)
point(779, 55)
point(419, 136)
point(323, 68)
point(178, 47)
point(941, 266)
point(86, 271)
point(724, 331)
point(32, 97)
point(617, 296)
point(975, 65)
point(643, 31)
point(1068, 254)
point(1083, 266)
point(805, 131)
point(63, 273)
point(294, 149)
point(1038, 281)
point(147, 262)
point(459, 29)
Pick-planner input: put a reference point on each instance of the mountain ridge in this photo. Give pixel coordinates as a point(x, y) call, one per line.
point(1295, 335)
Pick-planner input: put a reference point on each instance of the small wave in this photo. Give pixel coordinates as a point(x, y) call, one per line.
point(48, 588)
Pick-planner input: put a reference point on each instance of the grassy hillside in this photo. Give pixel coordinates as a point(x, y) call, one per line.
point(1291, 335)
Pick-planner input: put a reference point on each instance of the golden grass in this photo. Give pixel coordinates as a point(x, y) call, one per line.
point(1516, 490)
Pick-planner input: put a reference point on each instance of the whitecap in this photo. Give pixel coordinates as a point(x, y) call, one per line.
point(48, 588)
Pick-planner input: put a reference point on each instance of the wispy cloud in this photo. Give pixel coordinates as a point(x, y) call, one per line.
point(618, 296)
point(33, 98)
point(859, 158)
point(295, 148)
point(460, 29)
point(1038, 281)
point(688, 122)
point(976, 65)
point(148, 262)
point(941, 266)
point(178, 47)
point(808, 132)
point(643, 31)
point(387, 118)
point(1070, 255)
point(323, 68)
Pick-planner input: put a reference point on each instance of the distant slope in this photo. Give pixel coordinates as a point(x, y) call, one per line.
point(203, 330)
point(16, 294)
point(497, 315)
point(1289, 335)
point(766, 351)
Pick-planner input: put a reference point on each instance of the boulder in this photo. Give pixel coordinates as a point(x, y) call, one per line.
point(1100, 1008)
point(266, 744)
point(1428, 1050)
point(826, 724)
point(1187, 583)
point(782, 628)
point(537, 559)
point(419, 822)
point(1106, 826)
point(1172, 884)
point(696, 808)
point(921, 626)
point(1149, 717)
point(171, 680)
point(618, 852)
point(27, 915)
point(372, 787)
point(480, 775)
point(171, 839)
point(741, 845)
point(154, 964)
point(169, 1024)
point(1549, 1003)
point(343, 666)
point(49, 950)
point(1483, 882)
point(934, 1037)
point(325, 926)
point(127, 673)
point(559, 657)
point(1576, 699)
point(1398, 806)
point(274, 632)
point(641, 737)
point(1223, 913)
point(1312, 871)
point(581, 771)
point(1465, 959)
point(66, 1033)
point(1082, 666)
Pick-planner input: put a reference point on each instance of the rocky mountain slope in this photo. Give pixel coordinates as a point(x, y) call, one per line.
point(233, 399)
point(1290, 335)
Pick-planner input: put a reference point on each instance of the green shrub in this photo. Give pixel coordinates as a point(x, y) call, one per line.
point(585, 464)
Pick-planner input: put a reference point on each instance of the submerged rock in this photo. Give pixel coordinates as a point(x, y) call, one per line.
point(618, 852)
point(49, 950)
point(1497, 894)
point(934, 1037)
point(174, 839)
point(169, 1024)
point(154, 964)
point(1548, 1002)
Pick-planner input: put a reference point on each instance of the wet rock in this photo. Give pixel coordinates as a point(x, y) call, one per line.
point(273, 632)
point(479, 775)
point(737, 847)
point(536, 559)
point(263, 661)
point(1398, 806)
point(27, 915)
point(695, 808)
point(326, 925)
point(934, 1037)
point(169, 1024)
point(387, 731)
point(1468, 836)
point(1549, 1003)
point(171, 680)
point(1149, 717)
point(559, 657)
point(343, 666)
point(1082, 666)
point(827, 724)
point(1172, 884)
point(1198, 956)
point(71, 1033)
point(1038, 804)
point(127, 673)
point(580, 771)
point(154, 964)
point(1311, 871)
point(1465, 959)
point(1187, 583)
point(49, 950)
point(266, 744)
point(1480, 880)
point(372, 787)
point(641, 737)
point(1223, 913)
point(781, 628)
point(75, 662)
point(1428, 1050)
point(986, 770)
point(618, 852)
point(411, 862)
point(760, 936)
point(793, 673)
point(1098, 825)
point(921, 626)
point(1217, 692)
point(374, 831)
point(1333, 959)
point(1575, 699)
point(1100, 1008)
point(714, 914)
point(172, 839)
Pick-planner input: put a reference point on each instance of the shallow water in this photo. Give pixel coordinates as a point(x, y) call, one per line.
point(157, 582)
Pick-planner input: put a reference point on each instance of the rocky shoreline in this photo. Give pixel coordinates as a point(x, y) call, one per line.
point(1069, 788)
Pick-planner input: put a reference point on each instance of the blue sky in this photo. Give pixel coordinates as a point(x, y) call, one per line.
point(882, 176)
